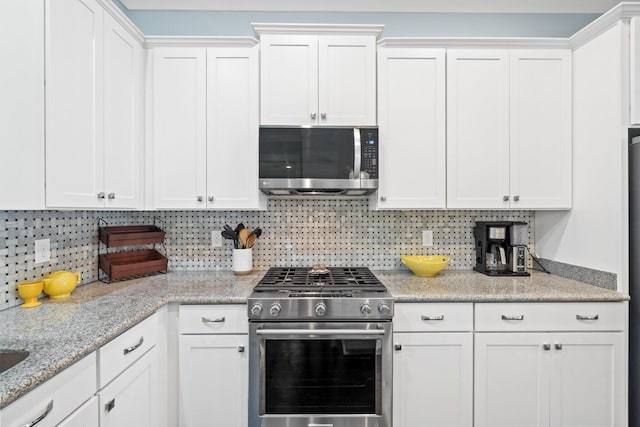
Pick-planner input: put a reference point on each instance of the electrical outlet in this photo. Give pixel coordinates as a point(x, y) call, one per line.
point(43, 250)
point(427, 237)
point(216, 239)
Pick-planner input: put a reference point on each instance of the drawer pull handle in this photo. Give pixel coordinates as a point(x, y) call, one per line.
point(546, 347)
point(110, 405)
point(581, 317)
point(520, 317)
point(441, 317)
point(218, 320)
point(133, 347)
point(41, 417)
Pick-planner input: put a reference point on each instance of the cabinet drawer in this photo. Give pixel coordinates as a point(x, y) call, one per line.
point(115, 356)
point(590, 316)
point(214, 319)
point(63, 394)
point(435, 317)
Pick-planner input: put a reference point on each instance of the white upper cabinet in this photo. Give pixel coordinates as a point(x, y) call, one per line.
point(204, 132)
point(93, 104)
point(411, 108)
point(635, 70)
point(323, 80)
point(509, 129)
point(74, 97)
point(178, 137)
point(477, 129)
point(22, 105)
point(540, 167)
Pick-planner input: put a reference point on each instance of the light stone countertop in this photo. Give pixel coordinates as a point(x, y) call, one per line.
point(59, 333)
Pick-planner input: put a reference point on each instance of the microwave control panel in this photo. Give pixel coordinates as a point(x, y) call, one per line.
point(369, 151)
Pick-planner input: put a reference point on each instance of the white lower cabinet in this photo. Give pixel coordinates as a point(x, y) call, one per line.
point(433, 368)
point(84, 416)
point(131, 400)
point(549, 378)
point(213, 367)
point(56, 399)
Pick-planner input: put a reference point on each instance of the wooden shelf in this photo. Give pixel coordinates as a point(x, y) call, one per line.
point(130, 235)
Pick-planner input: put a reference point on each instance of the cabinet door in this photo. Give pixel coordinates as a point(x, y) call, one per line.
point(22, 105)
point(74, 99)
point(411, 98)
point(288, 80)
point(122, 116)
point(132, 399)
point(84, 416)
point(540, 129)
point(179, 127)
point(635, 70)
point(511, 380)
point(477, 129)
point(232, 128)
point(588, 380)
point(347, 80)
point(432, 380)
point(213, 380)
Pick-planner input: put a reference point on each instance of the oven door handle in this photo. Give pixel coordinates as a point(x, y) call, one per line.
point(322, 332)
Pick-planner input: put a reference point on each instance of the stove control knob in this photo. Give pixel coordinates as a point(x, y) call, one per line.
point(384, 309)
point(321, 309)
point(275, 309)
point(256, 309)
point(365, 309)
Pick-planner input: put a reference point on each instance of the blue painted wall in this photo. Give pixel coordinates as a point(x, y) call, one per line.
point(207, 23)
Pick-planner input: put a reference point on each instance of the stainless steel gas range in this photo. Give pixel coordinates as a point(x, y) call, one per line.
point(320, 349)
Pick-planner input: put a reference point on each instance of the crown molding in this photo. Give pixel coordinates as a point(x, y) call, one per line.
point(197, 41)
point(323, 29)
point(123, 20)
point(622, 11)
point(480, 42)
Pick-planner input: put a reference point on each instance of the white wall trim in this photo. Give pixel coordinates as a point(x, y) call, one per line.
point(197, 41)
point(466, 42)
point(123, 20)
point(323, 29)
point(625, 10)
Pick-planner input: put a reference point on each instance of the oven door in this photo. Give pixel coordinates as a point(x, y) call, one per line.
point(334, 374)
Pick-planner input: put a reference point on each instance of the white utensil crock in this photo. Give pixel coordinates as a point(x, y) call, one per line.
point(242, 261)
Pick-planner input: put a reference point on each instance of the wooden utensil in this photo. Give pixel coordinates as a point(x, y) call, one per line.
point(251, 240)
point(242, 238)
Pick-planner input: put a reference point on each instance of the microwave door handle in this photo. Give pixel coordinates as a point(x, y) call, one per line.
point(357, 153)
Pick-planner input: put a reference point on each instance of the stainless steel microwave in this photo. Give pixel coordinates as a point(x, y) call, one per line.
point(318, 161)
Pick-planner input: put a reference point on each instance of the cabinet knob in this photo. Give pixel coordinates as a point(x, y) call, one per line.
point(383, 199)
point(546, 347)
point(200, 198)
point(101, 195)
point(110, 405)
point(313, 116)
point(516, 198)
point(398, 347)
point(112, 196)
point(211, 199)
point(558, 346)
point(323, 116)
point(505, 198)
point(240, 349)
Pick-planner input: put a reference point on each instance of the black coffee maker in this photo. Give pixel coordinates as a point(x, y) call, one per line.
point(501, 248)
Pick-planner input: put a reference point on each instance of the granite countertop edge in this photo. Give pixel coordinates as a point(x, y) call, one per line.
point(140, 298)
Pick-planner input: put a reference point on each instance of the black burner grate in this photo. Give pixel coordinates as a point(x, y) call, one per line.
point(302, 279)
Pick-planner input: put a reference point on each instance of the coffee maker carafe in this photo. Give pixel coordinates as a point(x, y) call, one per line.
point(501, 248)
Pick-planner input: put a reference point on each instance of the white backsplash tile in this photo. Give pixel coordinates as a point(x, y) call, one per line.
point(295, 232)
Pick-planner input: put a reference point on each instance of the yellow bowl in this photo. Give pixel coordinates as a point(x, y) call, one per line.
point(59, 284)
point(425, 265)
point(29, 292)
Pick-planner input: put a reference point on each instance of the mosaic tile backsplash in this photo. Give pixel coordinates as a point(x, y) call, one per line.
point(295, 233)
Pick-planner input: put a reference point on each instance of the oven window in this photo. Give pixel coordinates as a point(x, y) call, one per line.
point(321, 376)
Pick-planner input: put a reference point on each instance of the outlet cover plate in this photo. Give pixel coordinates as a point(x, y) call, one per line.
point(216, 239)
point(427, 237)
point(43, 251)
